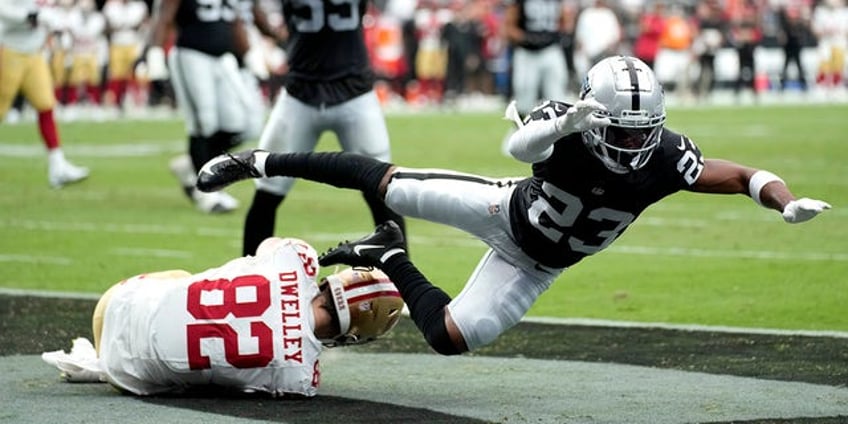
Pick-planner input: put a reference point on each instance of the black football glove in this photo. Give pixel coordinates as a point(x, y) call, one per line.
point(32, 19)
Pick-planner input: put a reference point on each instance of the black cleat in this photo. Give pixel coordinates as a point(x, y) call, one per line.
point(372, 250)
point(226, 169)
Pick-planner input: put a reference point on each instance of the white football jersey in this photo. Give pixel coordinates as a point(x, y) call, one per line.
point(15, 31)
point(125, 20)
point(246, 325)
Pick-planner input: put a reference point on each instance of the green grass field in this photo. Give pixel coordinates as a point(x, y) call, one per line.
point(716, 260)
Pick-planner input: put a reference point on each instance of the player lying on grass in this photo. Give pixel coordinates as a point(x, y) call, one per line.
point(597, 165)
point(255, 324)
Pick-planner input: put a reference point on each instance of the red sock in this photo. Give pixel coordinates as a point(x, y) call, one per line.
point(94, 93)
point(47, 127)
point(71, 95)
point(118, 89)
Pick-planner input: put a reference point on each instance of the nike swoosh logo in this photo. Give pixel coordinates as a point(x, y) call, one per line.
point(359, 248)
point(215, 161)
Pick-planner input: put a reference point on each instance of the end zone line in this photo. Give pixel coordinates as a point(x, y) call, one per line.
point(48, 294)
point(587, 322)
point(594, 322)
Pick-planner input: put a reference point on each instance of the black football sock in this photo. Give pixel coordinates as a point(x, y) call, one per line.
point(198, 150)
point(426, 302)
point(260, 220)
point(203, 149)
point(223, 141)
point(381, 213)
point(340, 169)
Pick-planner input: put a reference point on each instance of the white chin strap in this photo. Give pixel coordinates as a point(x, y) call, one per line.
point(337, 292)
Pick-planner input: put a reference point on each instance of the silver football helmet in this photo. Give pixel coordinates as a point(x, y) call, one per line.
point(629, 90)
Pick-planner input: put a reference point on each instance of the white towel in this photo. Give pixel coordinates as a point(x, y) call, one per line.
point(80, 365)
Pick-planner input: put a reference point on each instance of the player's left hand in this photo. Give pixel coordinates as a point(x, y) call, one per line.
point(582, 116)
point(156, 66)
point(254, 61)
point(803, 209)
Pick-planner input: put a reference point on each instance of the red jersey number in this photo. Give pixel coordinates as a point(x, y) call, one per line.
point(230, 305)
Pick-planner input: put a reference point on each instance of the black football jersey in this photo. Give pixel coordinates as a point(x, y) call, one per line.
point(540, 20)
point(207, 25)
point(573, 206)
point(328, 60)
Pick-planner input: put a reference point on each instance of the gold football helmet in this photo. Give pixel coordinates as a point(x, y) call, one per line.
point(367, 303)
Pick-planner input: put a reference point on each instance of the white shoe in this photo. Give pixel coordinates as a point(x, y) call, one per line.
point(216, 202)
point(183, 169)
point(13, 116)
point(61, 172)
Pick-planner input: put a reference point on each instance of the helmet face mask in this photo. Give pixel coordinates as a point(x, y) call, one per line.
point(367, 304)
point(629, 90)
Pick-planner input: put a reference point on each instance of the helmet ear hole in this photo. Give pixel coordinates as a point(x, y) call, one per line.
point(367, 303)
point(635, 104)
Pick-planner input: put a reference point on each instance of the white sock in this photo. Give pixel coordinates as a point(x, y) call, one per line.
point(261, 158)
point(55, 156)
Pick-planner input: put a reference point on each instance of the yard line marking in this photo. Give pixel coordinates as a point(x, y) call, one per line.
point(447, 239)
point(117, 228)
point(714, 253)
point(593, 322)
point(135, 149)
point(159, 253)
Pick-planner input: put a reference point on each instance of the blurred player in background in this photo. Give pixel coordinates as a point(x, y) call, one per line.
point(124, 20)
point(204, 72)
point(830, 25)
point(56, 19)
point(534, 29)
point(88, 29)
point(255, 324)
point(254, 68)
point(24, 70)
point(596, 166)
point(329, 87)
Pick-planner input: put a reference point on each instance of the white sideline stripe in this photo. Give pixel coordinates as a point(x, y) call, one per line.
point(587, 322)
point(49, 294)
point(592, 322)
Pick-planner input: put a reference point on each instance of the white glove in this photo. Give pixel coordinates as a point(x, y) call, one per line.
point(803, 210)
point(582, 116)
point(511, 114)
point(156, 68)
point(255, 62)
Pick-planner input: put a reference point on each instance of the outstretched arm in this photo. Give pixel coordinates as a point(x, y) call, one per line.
point(533, 141)
point(766, 189)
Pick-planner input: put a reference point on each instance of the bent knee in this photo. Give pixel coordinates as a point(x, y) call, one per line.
point(444, 337)
point(442, 344)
